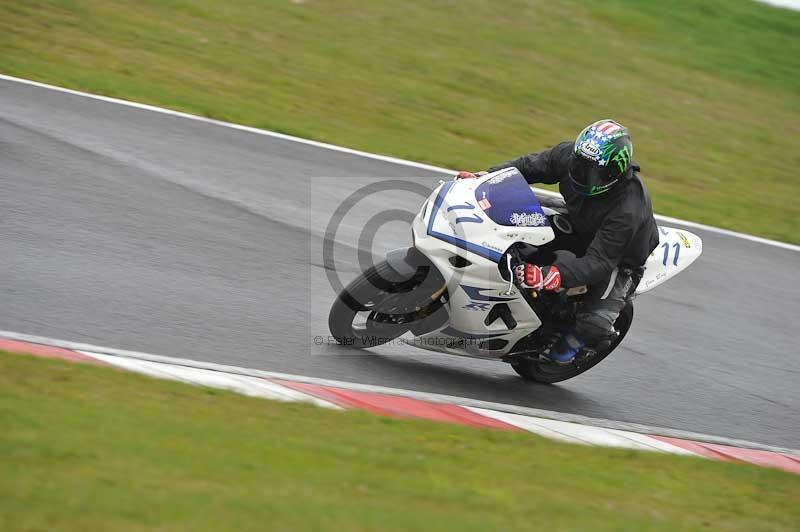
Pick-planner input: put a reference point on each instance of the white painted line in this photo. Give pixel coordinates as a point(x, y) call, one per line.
point(788, 4)
point(726, 232)
point(251, 386)
point(265, 132)
point(425, 396)
point(359, 153)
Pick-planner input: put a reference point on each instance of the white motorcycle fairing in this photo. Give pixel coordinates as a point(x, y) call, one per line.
point(676, 250)
point(465, 228)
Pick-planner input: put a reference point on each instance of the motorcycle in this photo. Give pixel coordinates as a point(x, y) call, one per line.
point(454, 290)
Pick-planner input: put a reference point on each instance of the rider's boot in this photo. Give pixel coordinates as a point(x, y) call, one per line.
point(563, 351)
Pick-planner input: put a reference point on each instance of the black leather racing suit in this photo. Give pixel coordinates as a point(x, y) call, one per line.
point(616, 232)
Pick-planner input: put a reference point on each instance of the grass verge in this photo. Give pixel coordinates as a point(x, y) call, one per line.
point(709, 88)
point(93, 448)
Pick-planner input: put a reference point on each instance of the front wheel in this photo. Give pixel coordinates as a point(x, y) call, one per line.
point(377, 307)
point(549, 373)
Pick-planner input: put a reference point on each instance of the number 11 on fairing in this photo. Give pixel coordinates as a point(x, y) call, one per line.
point(677, 247)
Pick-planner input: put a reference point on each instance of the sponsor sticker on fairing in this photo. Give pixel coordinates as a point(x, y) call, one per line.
point(491, 246)
point(525, 219)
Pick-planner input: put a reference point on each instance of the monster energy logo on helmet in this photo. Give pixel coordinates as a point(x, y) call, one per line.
point(603, 153)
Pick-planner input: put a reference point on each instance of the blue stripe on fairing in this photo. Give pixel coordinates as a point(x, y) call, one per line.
point(458, 242)
point(473, 292)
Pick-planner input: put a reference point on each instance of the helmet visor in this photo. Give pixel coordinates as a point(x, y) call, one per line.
point(589, 178)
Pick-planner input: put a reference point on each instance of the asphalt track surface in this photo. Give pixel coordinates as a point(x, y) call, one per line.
point(133, 229)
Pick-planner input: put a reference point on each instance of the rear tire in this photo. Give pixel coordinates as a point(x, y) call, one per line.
point(549, 373)
point(393, 306)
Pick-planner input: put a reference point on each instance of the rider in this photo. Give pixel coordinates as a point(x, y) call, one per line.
point(612, 217)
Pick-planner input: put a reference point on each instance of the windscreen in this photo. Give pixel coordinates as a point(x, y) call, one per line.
point(507, 199)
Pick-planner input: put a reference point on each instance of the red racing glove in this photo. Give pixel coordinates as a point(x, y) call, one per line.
point(536, 278)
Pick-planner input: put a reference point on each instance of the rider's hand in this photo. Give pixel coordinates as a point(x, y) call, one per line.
point(532, 276)
point(463, 174)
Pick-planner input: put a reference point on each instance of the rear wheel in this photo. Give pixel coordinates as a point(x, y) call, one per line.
point(378, 307)
point(550, 372)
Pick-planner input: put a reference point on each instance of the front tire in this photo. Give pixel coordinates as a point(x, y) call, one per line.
point(389, 307)
point(549, 373)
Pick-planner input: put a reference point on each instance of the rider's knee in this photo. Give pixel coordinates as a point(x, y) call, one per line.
point(594, 327)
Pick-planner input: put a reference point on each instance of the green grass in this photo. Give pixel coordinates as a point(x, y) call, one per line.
point(709, 88)
point(93, 448)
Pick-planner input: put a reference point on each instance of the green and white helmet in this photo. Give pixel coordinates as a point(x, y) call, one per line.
point(602, 154)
